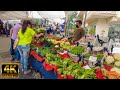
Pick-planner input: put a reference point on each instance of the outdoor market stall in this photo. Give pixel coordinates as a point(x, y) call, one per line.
point(37, 65)
point(59, 58)
point(63, 60)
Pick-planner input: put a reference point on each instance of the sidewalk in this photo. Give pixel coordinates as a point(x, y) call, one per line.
point(5, 56)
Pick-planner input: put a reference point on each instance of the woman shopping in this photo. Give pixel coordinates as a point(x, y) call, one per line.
point(13, 34)
point(25, 36)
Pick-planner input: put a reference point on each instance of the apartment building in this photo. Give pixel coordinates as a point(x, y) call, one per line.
point(102, 20)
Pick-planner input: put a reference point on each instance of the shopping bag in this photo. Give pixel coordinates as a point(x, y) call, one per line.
point(107, 67)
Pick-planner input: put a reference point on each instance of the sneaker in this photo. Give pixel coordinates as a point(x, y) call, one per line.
point(27, 72)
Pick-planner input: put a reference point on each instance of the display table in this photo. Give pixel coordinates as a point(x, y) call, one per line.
point(37, 65)
point(50, 71)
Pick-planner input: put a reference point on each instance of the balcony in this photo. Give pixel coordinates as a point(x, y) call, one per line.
point(100, 14)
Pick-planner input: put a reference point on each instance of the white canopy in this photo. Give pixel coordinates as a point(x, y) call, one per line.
point(13, 15)
point(51, 14)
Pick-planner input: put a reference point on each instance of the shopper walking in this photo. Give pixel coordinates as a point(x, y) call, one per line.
point(15, 56)
point(7, 28)
point(63, 26)
point(1, 29)
point(4, 31)
point(54, 29)
point(25, 36)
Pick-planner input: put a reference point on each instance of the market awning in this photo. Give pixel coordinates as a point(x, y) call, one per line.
point(13, 15)
point(51, 14)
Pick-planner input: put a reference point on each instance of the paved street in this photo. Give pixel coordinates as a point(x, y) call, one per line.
point(5, 56)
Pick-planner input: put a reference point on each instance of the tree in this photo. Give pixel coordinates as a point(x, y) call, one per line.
point(92, 30)
point(70, 23)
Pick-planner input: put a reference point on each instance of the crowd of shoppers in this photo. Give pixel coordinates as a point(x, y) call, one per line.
point(5, 28)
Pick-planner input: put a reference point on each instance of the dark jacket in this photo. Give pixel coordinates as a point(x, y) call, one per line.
point(9, 26)
point(1, 27)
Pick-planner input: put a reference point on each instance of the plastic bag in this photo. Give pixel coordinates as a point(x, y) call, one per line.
point(99, 74)
point(60, 76)
point(35, 55)
point(107, 67)
point(65, 56)
point(70, 77)
point(48, 67)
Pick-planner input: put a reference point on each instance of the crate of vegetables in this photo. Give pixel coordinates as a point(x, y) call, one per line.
point(73, 53)
point(39, 30)
point(99, 57)
point(86, 57)
point(73, 57)
point(113, 61)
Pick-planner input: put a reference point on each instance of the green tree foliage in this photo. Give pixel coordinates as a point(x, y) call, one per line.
point(70, 22)
point(92, 30)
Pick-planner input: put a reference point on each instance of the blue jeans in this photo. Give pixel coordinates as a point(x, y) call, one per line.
point(11, 48)
point(24, 54)
point(16, 55)
point(0, 32)
point(7, 32)
point(14, 52)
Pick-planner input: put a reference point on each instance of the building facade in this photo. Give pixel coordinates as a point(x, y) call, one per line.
point(102, 20)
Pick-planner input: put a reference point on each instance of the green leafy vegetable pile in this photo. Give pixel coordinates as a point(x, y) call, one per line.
point(53, 59)
point(39, 30)
point(76, 70)
point(77, 49)
point(99, 56)
point(87, 56)
point(43, 51)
